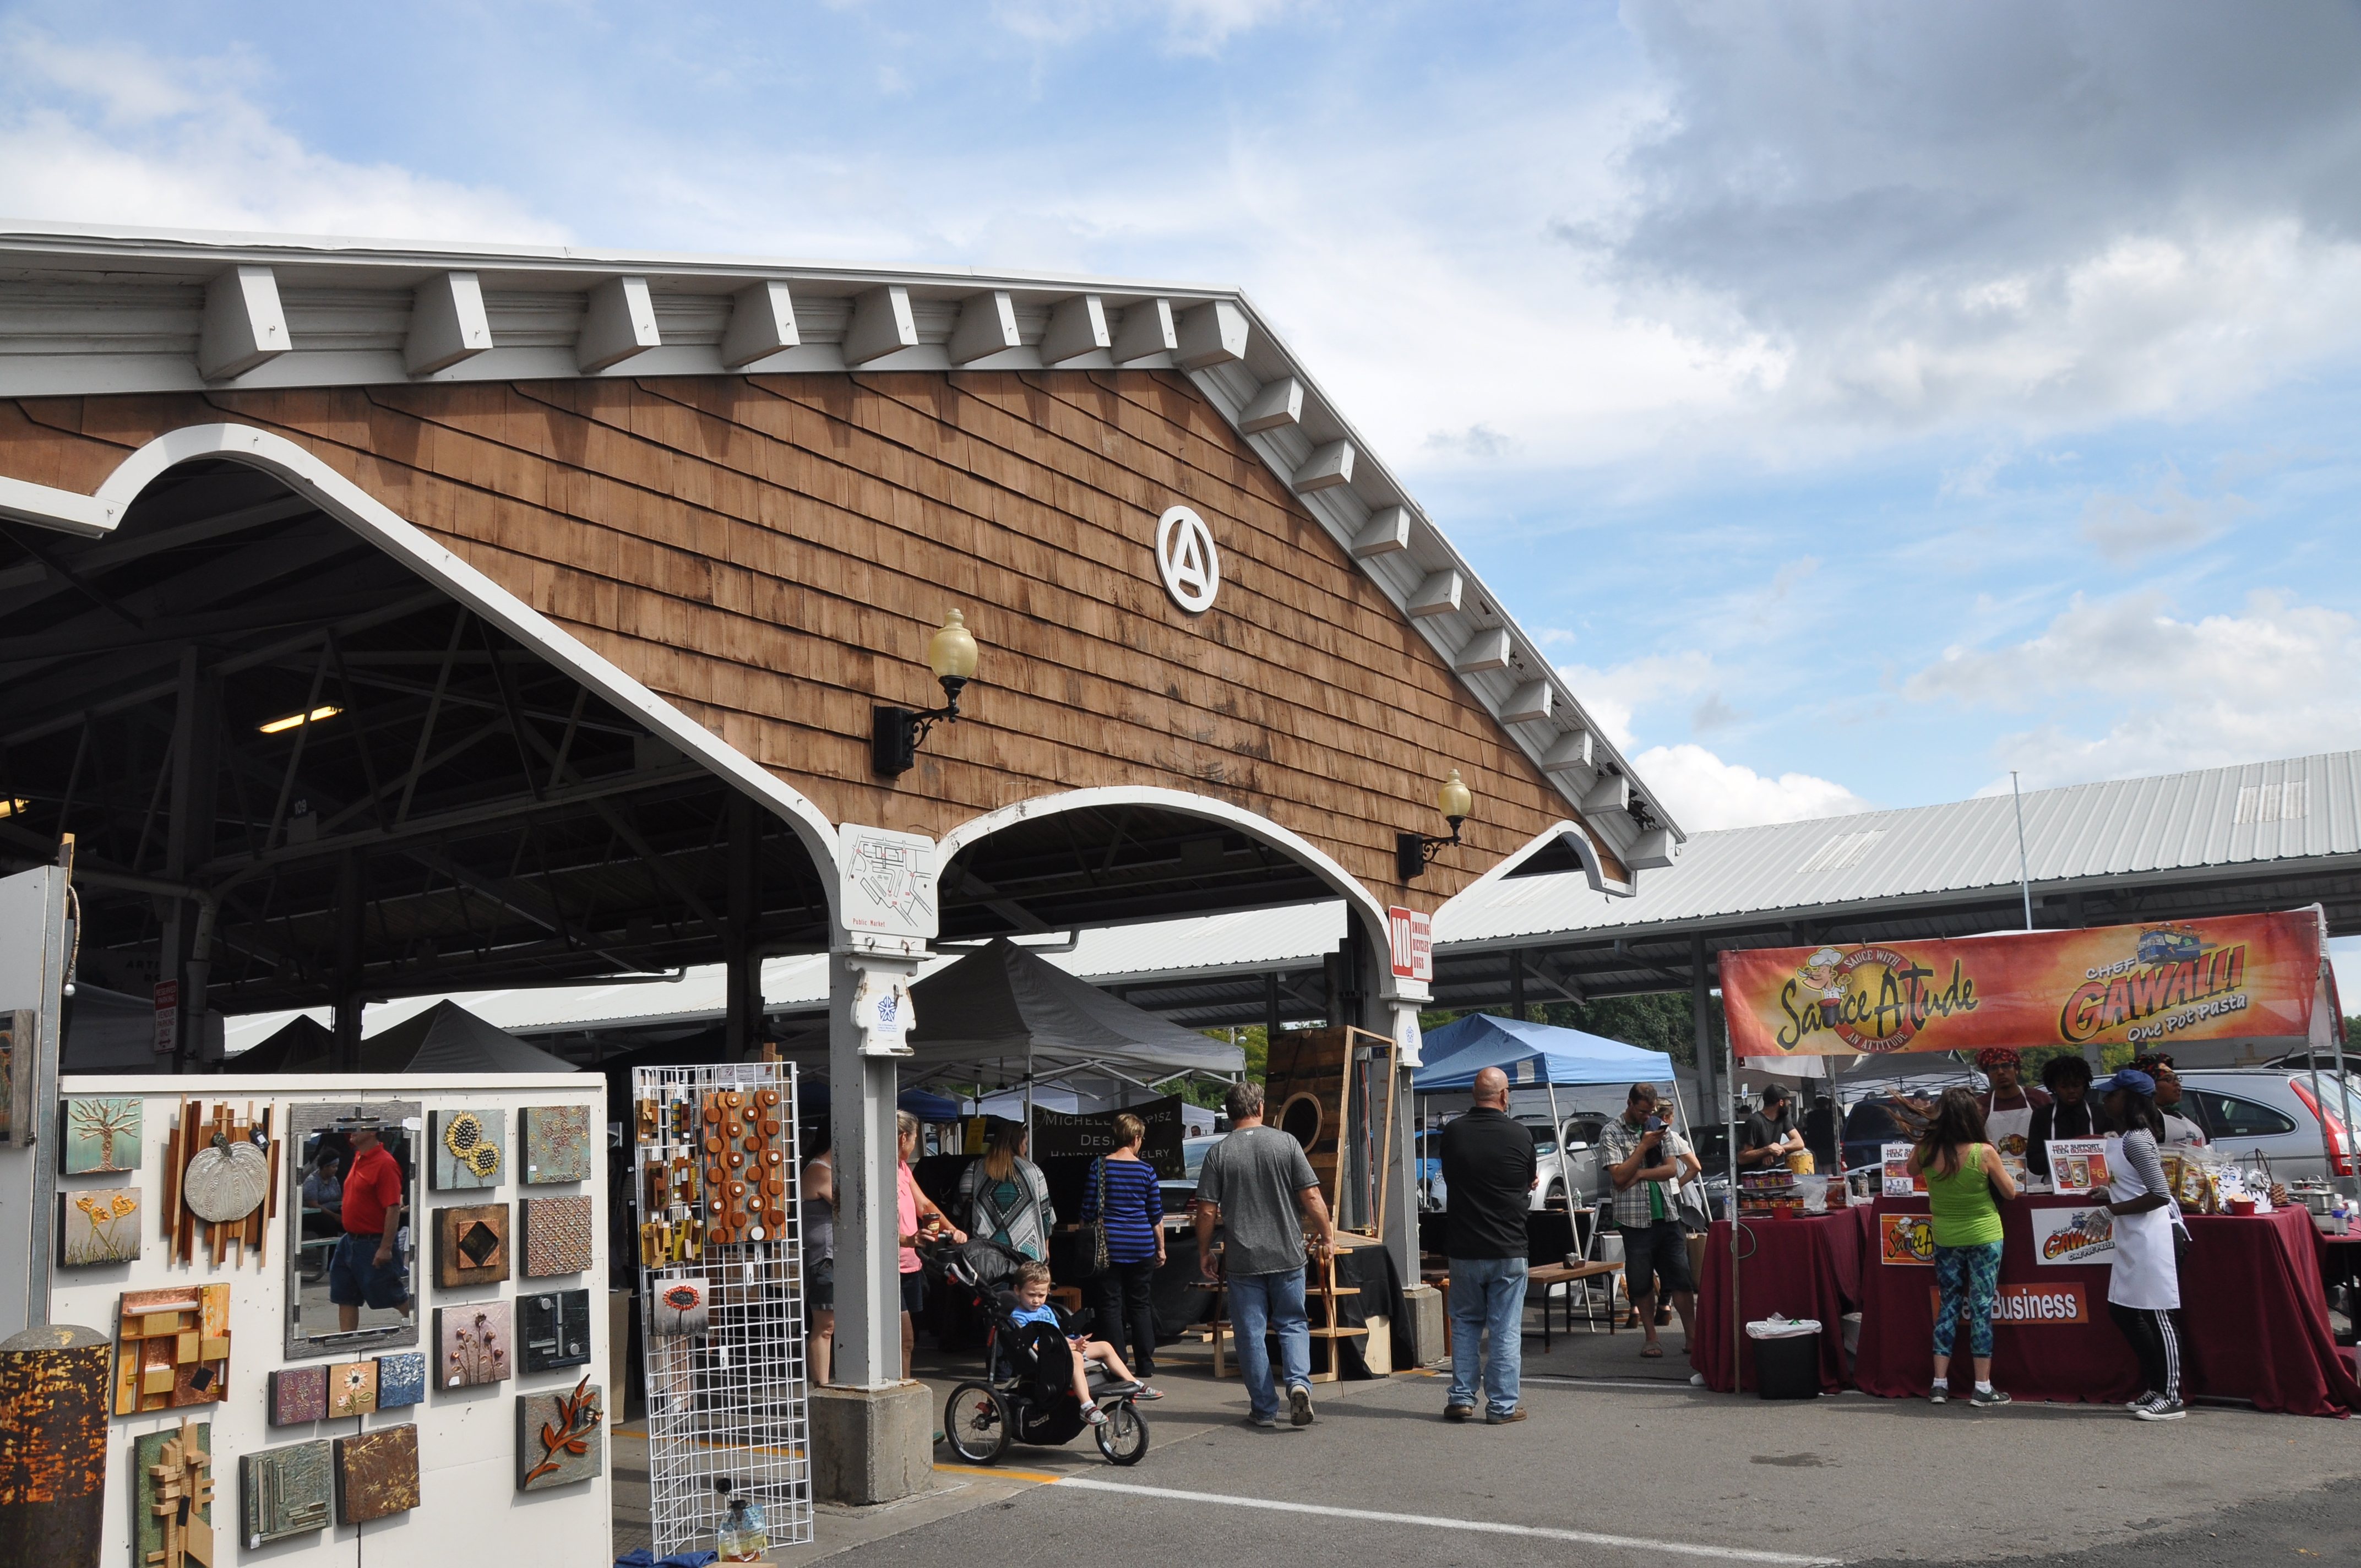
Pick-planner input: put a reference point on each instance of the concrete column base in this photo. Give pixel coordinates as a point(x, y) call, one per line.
point(1423, 1306)
point(872, 1445)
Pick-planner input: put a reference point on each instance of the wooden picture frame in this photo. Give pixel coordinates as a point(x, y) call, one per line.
point(471, 1246)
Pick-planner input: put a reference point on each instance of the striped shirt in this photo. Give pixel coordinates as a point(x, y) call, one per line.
point(1135, 1206)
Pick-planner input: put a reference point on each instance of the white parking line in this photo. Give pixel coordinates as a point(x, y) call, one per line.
point(1483, 1527)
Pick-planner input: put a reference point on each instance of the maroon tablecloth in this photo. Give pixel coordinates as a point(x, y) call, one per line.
point(2253, 1316)
point(1803, 1268)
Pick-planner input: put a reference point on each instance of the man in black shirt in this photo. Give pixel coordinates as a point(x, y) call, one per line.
point(1489, 1170)
point(1770, 1134)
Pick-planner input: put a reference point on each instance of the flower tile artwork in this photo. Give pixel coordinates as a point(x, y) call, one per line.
point(352, 1388)
point(468, 1147)
point(560, 1437)
point(377, 1474)
point(299, 1394)
point(556, 1236)
point(98, 1225)
point(401, 1379)
point(472, 1344)
point(102, 1132)
point(556, 1143)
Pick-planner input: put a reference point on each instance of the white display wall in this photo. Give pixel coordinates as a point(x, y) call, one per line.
point(470, 1510)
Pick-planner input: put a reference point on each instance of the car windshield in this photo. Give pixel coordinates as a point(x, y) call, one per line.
point(1193, 1155)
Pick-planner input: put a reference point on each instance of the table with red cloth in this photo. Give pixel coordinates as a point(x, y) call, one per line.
point(1805, 1268)
point(2254, 1318)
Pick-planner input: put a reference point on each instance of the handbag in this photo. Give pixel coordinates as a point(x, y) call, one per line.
point(1094, 1230)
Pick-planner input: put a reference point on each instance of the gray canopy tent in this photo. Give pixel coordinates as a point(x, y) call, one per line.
point(446, 1037)
point(1006, 1005)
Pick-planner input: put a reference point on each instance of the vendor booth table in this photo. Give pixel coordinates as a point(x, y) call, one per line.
point(1807, 1267)
point(2254, 1315)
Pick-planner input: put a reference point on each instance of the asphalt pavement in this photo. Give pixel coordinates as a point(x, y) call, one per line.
point(1621, 1461)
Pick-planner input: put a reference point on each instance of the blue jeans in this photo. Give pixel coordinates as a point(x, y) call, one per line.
point(1488, 1295)
point(1261, 1303)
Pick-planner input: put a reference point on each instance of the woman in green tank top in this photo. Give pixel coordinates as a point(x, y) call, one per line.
point(1964, 1181)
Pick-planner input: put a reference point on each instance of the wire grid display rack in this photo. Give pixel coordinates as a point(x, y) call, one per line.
point(729, 1404)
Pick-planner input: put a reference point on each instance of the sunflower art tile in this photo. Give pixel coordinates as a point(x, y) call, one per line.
point(557, 1143)
point(469, 1148)
point(98, 1225)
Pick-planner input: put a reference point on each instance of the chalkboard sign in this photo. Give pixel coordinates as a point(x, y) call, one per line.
point(1093, 1133)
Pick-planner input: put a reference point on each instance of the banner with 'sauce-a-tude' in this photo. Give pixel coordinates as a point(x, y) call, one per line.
point(2236, 977)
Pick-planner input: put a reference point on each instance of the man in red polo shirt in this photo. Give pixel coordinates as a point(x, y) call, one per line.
point(366, 1270)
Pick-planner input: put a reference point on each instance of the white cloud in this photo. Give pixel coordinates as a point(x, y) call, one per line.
point(2123, 529)
point(183, 144)
point(1611, 696)
point(1703, 791)
point(2274, 682)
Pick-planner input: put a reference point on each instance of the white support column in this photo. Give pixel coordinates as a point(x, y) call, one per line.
point(860, 1119)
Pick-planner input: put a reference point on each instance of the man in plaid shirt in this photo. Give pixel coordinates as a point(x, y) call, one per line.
point(1648, 1161)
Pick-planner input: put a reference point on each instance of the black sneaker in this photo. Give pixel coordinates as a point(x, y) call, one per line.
point(1299, 1404)
point(2161, 1411)
point(1989, 1399)
point(1941, 1396)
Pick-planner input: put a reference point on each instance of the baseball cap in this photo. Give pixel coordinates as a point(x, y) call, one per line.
point(2129, 1078)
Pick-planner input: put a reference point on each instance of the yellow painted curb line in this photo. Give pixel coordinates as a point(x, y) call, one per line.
point(996, 1470)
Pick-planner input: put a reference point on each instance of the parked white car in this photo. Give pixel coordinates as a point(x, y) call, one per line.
point(2271, 1113)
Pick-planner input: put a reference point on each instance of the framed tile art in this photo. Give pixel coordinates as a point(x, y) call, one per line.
point(556, 1141)
point(556, 1236)
point(472, 1344)
point(98, 1225)
point(377, 1474)
point(401, 1379)
point(469, 1149)
point(554, 1330)
point(299, 1395)
point(561, 1437)
point(352, 1388)
point(171, 1348)
point(285, 1491)
point(471, 1246)
point(102, 1132)
point(172, 1497)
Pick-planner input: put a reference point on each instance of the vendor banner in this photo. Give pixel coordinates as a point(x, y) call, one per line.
point(1056, 1134)
point(2237, 976)
point(2034, 1306)
point(2073, 1235)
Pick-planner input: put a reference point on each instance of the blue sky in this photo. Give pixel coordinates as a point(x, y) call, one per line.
point(1859, 401)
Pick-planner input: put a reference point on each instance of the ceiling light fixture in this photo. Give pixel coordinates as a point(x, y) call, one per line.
point(281, 726)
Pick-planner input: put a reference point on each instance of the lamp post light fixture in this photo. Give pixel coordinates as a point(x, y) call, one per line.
point(894, 732)
point(1413, 852)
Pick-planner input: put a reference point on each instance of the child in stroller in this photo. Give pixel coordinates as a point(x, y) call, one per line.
point(1043, 1383)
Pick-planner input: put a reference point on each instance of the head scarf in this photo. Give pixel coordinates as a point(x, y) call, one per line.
point(1996, 1055)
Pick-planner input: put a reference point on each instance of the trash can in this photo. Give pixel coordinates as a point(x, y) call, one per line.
point(1786, 1358)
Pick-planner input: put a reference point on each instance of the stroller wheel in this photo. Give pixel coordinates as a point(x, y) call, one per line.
point(1124, 1437)
point(976, 1422)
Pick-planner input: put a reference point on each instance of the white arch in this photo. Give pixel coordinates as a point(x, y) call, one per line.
point(98, 515)
point(1357, 898)
point(1578, 837)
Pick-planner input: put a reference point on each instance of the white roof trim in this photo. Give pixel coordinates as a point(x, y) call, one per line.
point(123, 309)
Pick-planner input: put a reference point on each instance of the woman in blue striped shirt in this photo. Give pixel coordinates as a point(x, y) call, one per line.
point(1134, 1214)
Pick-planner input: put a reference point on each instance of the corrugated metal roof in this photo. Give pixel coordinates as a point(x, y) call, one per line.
point(2298, 809)
point(1251, 941)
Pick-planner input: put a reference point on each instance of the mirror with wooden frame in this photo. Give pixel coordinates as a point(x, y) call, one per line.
point(339, 1298)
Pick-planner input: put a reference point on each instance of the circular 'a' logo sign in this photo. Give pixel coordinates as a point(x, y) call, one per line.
point(1185, 556)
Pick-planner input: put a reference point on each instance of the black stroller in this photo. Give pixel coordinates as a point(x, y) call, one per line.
point(1027, 1394)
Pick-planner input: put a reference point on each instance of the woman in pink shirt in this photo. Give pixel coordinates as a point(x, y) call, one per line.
point(917, 1219)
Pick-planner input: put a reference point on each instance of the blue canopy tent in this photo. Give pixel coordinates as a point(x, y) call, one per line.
point(1532, 1055)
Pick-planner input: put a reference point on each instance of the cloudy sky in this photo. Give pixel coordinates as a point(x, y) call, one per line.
point(1859, 401)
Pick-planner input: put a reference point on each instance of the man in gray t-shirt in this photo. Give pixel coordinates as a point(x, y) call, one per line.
point(1257, 1184)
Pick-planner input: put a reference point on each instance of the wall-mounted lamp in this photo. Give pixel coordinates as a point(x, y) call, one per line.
point(895, 733)
point(1413, 852)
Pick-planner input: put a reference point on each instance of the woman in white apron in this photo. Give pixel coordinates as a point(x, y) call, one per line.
point(2143, 1289)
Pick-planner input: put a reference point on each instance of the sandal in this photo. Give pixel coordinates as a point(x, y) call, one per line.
point(1652, 1352)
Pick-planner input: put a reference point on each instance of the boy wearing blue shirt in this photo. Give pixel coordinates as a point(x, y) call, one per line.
point(1033, 1307)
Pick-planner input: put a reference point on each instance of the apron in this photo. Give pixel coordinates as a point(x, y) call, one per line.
point(2145, 1274)
point(2011, 1132)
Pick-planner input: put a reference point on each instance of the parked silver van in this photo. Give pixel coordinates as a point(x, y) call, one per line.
point(2271, 1112)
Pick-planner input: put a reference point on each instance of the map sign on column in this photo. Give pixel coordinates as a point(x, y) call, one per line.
point(887, 886)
